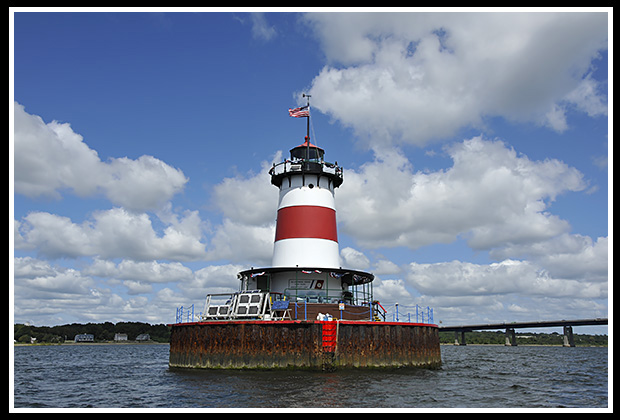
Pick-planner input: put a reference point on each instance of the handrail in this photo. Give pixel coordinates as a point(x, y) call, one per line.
point(421, 314)
point(179, 315)
point(337, 170)
point(301, 295)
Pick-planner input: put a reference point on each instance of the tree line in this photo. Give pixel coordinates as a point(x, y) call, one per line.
point(543, 339)
point(101, 331)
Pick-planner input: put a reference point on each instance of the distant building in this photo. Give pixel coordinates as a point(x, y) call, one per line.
point(120, 337)
point(143, 337)
point(84, 338)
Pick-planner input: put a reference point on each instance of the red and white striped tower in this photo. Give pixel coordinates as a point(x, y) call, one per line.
point(306, 233)
point(306, 263)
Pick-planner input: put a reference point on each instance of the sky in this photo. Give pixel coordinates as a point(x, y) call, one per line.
point(475, 148)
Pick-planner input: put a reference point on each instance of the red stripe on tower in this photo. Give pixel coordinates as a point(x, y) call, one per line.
point(306, 222)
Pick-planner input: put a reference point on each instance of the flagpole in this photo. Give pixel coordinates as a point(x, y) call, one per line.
point(307, 128)
point(306, 165)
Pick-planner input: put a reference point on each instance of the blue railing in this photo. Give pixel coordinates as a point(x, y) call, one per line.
point(184, 315)
point(417, 314)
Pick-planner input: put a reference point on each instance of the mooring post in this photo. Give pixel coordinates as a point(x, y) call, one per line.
point(569, 341)
point(511, 339)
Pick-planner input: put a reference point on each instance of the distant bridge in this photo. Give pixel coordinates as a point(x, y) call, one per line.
point(510, 327)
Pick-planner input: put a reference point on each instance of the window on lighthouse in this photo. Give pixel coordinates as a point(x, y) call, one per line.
point(316, 154)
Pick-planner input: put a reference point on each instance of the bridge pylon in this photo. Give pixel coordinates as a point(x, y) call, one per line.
point(569, 340)
point(511, 338)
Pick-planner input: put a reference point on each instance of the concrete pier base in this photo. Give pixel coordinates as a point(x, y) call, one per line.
point(317, 345)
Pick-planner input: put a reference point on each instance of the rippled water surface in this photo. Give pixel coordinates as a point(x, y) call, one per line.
point(113, 376)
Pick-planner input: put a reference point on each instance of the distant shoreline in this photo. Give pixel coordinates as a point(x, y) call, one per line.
point(103, 343)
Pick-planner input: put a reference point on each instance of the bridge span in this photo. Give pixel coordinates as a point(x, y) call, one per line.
point(511, 340)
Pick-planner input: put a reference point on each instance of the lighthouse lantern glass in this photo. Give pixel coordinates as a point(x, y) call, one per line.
point(315, 154)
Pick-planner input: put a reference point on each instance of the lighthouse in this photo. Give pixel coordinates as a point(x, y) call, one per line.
point(306, 264)
point(305, 310)
point(306, 233)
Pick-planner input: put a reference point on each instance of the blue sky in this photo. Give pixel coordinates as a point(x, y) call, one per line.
point(475, 149)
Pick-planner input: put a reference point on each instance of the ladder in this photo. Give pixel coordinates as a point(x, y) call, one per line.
point(378, 311)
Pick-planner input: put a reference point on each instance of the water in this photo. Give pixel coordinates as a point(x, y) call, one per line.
point(115, 376)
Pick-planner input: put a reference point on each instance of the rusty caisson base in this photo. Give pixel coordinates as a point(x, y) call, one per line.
point(317, 345)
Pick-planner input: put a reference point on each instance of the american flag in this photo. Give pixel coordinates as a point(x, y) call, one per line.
point(299, 112)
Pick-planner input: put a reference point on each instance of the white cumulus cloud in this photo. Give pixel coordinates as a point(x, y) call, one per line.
point(51, 159)
point(114, 233)
point(491, 195)
point(418, 77)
